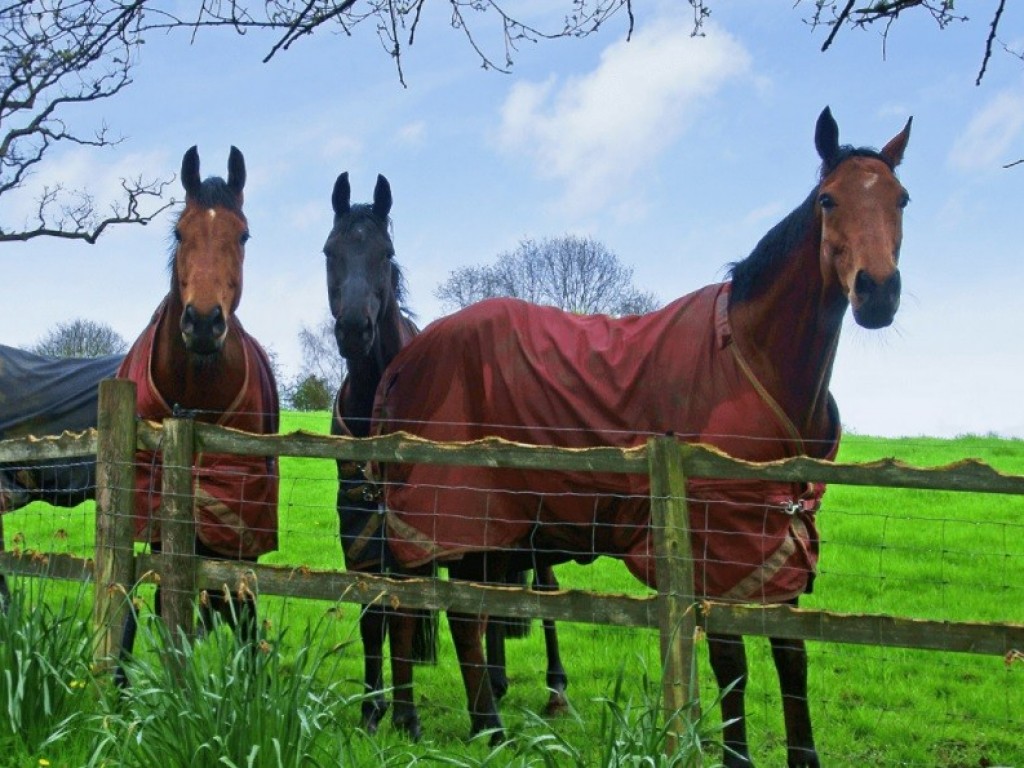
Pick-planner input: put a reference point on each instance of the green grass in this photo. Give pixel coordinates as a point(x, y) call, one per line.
point(946, 556)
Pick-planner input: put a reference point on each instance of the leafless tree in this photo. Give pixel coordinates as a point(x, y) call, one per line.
point(574, 273)
point(81, 338)
point(320, 356)
point(56, 55)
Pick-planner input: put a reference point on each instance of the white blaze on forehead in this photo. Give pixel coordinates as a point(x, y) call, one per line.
point(870, 181)
point(212, 213)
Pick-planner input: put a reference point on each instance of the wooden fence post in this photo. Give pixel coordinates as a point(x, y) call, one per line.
point(178, 530)
point(674, 569)
point(114, 567)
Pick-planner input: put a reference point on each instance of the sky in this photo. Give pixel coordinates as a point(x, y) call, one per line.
point(676, 152)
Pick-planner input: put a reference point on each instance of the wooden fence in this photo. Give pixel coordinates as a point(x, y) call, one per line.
point(673, 610)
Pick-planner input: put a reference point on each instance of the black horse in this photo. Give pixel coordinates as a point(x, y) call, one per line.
point(364, 287)
point(366, 291)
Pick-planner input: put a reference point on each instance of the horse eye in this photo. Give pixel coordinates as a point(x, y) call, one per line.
point(827, 202)
point(904, 199)
point(243, 238)
point(177, 235)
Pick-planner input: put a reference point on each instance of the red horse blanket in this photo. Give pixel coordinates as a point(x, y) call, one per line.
point(235, 496)
point(539, 375)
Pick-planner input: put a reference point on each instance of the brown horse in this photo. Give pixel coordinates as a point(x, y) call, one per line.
point(365, 291)
point(743, 365)
point(195, 359)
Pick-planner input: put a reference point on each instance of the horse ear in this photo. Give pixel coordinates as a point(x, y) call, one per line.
point(190, 172)
point(826, 137)
point(342, 195)
point(893, 151)
point(382, 198)
point(236, 171)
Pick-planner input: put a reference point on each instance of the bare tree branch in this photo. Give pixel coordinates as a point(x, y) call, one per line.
point(990, 41)
point(54, 56)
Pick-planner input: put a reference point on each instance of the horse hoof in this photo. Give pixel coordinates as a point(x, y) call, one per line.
point(799, 757)
point(121, 679)
point(557, 705)
point(373, 715)
point(480, 724)
point(409, 726)
point(733, 759)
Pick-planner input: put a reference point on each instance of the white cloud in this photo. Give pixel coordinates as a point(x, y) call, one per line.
point(596, 130)
point(985, 144)
point(412, 133)
point(770, 212)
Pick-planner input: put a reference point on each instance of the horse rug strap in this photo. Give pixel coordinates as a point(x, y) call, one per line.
point(235, 496)
point(538, 375)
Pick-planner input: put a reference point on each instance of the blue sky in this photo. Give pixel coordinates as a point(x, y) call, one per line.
point(677, 153)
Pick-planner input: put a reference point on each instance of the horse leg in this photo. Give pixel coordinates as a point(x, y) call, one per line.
point(402, 629)
point(557, 680)
point(238, 612)
point(128, 633)
point(729, 663)
point(791, 663)
point(467, 634)
point(373, 627)
point(495, 637)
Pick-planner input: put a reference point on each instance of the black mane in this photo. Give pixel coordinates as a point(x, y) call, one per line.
point(751, 274)
point(214, 192)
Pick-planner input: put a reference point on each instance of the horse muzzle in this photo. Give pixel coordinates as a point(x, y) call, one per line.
point(355, 337)
point(203, 334)
point(875, 304)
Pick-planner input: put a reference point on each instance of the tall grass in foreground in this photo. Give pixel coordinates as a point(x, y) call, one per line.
point(45, 655)
point(217, 702)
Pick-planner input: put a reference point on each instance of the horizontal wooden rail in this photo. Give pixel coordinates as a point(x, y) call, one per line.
point(578, 606)
point(585, 607)
point(698, 460)
point(67, 445)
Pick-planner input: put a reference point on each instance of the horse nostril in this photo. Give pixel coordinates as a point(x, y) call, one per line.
point(218, 324)
point(188, 319)
point(864, 285)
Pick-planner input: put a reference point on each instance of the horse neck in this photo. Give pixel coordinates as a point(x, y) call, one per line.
point(209, 386)
point(365, 372)
point(788, 335)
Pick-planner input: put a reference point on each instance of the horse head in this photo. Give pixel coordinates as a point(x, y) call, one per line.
point(860, 203)
point(362, 278)
point(210, 236)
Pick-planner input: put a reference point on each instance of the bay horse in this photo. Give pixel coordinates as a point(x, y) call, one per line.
point(365, 293)
point(743, 365)
point(195, 359)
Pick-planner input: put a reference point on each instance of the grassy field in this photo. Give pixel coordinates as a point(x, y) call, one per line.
point(921, 554)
